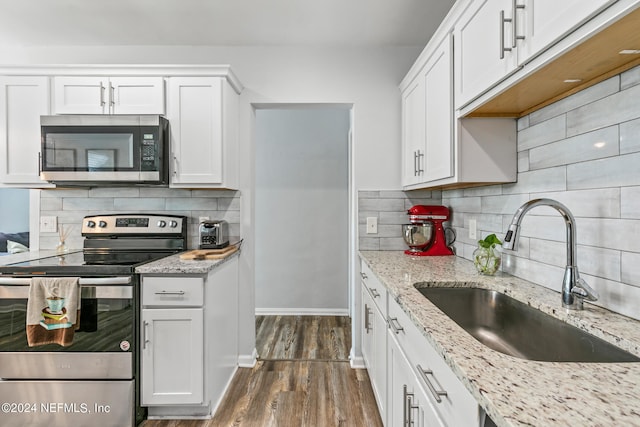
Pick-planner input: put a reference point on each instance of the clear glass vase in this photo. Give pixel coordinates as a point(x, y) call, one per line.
point(61, 248)
point(486, 260)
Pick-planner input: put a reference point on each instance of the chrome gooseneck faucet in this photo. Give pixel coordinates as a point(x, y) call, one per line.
point(574, 289)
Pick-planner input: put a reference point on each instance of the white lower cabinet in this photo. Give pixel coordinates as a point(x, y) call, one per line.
point(439, 398)
point(374, 347)
point(189, 340)
point(172, 350)
point(407, 402)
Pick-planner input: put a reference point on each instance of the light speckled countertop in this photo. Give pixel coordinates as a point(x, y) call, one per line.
point(513, 391)
point(174, 265)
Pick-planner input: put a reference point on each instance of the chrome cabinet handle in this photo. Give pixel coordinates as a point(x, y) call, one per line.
point(437, 394)
point(420, 170)
point(170, 293)
point(374, 292)
point(175, 165)
point(415, 163)
point(397, 327)
point(102, 89)
point(367, 328)
point(516, 37)
point(145, 340)
point(503, 21)
point(112, 96)
point(364, 276)
point(407, 407)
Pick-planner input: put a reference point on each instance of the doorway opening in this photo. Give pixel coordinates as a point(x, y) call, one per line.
point(302, 209)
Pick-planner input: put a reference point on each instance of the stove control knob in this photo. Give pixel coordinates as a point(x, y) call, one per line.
point(91, 224)
point(102, 224)
point(173, 224)
point(162, 224)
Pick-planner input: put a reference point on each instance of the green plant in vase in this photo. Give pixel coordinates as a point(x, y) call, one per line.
point(485, 257)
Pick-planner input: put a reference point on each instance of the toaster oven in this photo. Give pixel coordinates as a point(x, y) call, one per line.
point(213, 234)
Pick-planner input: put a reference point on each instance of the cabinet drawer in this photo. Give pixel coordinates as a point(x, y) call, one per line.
point(457, 407)
point(173, 291)
point(377, 291)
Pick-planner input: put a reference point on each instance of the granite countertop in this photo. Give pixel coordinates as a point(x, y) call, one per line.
point(513, 391)
point(174, 265)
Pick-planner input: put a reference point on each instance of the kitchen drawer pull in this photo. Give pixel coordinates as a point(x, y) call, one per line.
point(419, 170)
point(395, 328)
point(437, 394)
point(516, 37)
point(407, 407)
point(503, 21)
point(112, 96)
point(374, 292)
point(170, 293)
point(364, 276)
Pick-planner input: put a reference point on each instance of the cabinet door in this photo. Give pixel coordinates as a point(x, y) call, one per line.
point(136, 95)
point(438, 116)
point(480, 59)
point(374, 349)
point(22, 101)
point(172, 367)
point(413, 128)
point(542, 22)
point(195, 113)
point(408, 404)
point(80, 95)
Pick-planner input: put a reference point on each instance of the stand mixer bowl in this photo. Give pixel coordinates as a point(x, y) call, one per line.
point(418, 236)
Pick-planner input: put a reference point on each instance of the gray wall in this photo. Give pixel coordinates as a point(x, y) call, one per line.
point(14, 210)
point(71, 205)
point(302, 210)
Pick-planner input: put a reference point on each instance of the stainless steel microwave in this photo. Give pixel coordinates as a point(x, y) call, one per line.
point(105, 150)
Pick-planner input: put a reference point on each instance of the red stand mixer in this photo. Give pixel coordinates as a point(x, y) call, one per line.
point(426, 234)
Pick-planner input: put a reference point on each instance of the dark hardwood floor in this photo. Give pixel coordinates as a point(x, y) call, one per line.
point(303, 379)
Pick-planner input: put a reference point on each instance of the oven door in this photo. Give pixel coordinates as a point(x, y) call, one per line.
point(102, 346)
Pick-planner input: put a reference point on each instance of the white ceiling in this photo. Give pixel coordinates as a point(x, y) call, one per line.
point(219, 22)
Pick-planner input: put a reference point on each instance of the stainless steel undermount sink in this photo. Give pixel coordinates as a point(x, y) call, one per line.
point(511, 327)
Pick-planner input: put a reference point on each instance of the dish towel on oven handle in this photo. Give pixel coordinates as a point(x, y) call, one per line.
point(53, 310)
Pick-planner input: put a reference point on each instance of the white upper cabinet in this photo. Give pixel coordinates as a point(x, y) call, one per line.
point(108, 95)
point(539, 23)
point(483, 48)
point(22, 101)
point(427, 119)
point(203, 117)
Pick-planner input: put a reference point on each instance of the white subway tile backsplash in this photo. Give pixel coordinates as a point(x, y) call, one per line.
point(503, 205)
point(140, 203)
point(620, 107)
point(523, 161)
point(631, 268)
point(388, 205)
point(392, 244)
point(551, 179)
point(630, 202)
point(465, 204)
point(542, 133)
point(522, 123)
point(598, 203)
point(630, 136)
point(617, 171)
point(589, 146)
point(630, 78)
point(618, 234)
point(599, 91)
point(72, 205)
point(616, 296)
point(488, 190)
point(396, 218)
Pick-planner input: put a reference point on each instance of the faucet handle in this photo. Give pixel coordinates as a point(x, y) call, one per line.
point(583, 290)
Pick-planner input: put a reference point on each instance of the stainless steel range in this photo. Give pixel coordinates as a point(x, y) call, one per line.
point(90, 379)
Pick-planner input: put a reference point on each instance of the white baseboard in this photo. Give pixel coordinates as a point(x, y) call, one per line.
point(248, 361)
point(302, 311)
point(357, 363)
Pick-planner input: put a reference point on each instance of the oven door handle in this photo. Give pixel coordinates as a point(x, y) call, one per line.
point(84, 281)
point(100, 288)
